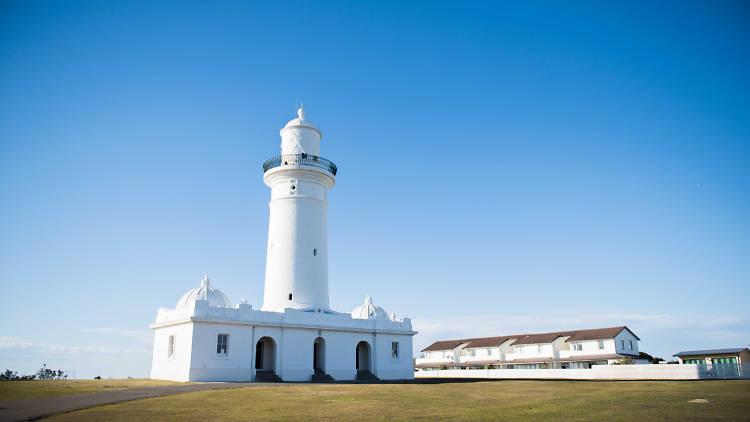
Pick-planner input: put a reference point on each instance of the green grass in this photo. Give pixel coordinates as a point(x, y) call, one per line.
point(485, 400)
point(16, 390)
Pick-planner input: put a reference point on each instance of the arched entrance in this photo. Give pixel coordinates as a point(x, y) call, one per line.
point(319, 355)
point(364, 362)
point(265, 354)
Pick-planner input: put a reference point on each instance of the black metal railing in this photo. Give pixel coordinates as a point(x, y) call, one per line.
point(300, 160)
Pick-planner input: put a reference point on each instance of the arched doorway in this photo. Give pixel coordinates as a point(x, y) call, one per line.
point(319, 355)
point(265, 354)
point(364, 362)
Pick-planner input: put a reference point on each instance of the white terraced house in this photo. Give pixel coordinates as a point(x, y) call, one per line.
point(562, 350)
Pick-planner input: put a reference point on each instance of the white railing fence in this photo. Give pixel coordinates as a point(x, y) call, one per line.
point(603, 372)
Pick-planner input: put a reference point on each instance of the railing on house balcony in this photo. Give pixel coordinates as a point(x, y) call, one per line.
point(300, 160)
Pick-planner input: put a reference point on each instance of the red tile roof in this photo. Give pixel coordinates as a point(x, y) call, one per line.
point(598, 333)
point(574, 335)
point(443, 345)
point(537, 338)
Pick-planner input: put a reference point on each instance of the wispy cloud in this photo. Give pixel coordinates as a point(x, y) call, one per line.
point(15, 343)
point(97, 330)
point(144, 336)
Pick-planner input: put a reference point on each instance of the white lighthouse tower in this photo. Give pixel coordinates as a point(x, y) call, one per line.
point(297, 256)
point(294, 335)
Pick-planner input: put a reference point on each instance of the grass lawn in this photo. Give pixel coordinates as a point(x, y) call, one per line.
point(481, 400)
point(15, 390)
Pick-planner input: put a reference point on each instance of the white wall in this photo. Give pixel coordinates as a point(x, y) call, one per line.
point(206, 365)
point(599, 372)
point(627, 337)
point(176, 368)
point(389, 368)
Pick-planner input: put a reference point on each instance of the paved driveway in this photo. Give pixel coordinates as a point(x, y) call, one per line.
point(29, 409)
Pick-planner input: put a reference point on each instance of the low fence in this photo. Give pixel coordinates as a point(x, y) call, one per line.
point(603, 372)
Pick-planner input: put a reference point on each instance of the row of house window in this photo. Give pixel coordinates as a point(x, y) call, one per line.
point(715, 361)
point(579, 346)
point(222, 346)
point(525, 349)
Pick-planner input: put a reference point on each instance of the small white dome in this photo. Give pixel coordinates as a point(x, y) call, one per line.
point(205, 292)
point(300, 122)
point(369, 310)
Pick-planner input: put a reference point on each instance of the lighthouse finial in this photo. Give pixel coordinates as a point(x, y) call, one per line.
point(301, 111)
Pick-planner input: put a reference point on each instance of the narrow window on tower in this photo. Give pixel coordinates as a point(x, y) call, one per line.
point(394, 350)
point(290, 296)
point(315, 252)
point(170, 348)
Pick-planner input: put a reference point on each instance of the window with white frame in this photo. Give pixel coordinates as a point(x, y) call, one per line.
point(471, 352)
point(489, 352)
point(394, 350)
point(222, 345)
point(631, 344)
point(601, 344)
point(170, 348)
point(577, 347)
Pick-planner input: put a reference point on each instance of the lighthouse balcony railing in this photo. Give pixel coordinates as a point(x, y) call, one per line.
point(298, 160)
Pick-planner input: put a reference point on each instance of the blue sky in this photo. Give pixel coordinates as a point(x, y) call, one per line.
point(504, 168)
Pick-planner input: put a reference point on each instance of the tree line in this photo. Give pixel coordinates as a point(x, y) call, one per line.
point(43, 373)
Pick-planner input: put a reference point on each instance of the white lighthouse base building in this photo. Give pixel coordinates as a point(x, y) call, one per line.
point(295, 335)
point(204, 339)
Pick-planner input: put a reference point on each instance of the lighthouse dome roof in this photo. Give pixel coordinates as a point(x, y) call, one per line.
point(300, 122)
point(369, 310)
point(206, 292)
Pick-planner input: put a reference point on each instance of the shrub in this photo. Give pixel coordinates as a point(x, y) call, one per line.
point(45, 373)
point(650, 358)
point(9, 375)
